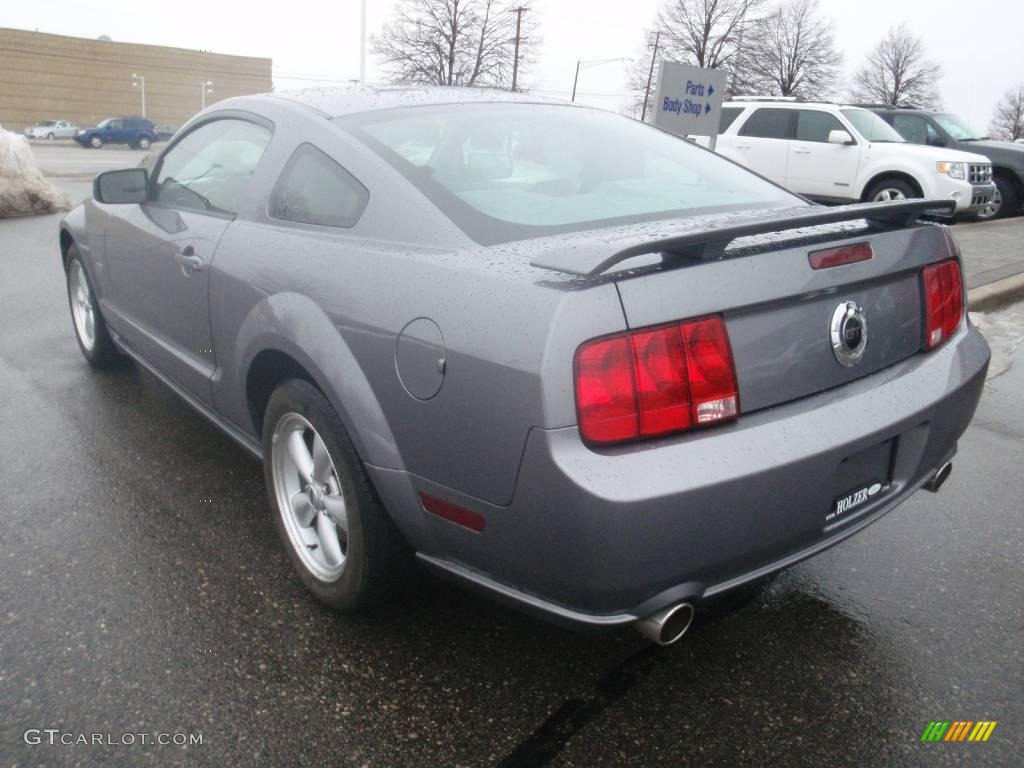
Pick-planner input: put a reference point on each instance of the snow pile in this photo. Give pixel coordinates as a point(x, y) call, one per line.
point(23, 189)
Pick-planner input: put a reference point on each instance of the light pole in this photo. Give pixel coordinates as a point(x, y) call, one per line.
point(139, 81)
point(580, 64)
point(204, 89)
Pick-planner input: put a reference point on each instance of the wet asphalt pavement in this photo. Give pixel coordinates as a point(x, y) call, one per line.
point(143, 590)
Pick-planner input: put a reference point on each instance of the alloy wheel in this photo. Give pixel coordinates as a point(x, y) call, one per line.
point(83, 308)
point(990, 210)
point(887, 194)
point(310, 497)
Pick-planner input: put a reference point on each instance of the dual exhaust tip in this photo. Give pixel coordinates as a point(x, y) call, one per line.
point(667, 625)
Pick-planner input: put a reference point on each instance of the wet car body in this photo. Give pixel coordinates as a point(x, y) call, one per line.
point(452, 359)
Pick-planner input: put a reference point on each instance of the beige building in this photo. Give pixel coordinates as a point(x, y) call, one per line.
point(53, 77)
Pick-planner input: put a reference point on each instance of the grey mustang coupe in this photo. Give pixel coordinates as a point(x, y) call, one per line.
point(577, 363)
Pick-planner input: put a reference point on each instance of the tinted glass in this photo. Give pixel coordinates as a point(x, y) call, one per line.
point(729, 115)
point(769, 123)
point(313, 189)
point(871, 126)
point(505, 172)
point(209, 169)
point(911, 127)
point(812, 125)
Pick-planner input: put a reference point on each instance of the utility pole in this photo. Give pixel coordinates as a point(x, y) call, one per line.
point(650, 74)
point(362, 44)
point(515, 61)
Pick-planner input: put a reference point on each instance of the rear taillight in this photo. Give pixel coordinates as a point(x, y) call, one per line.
point(655, 381)
point(943, 301)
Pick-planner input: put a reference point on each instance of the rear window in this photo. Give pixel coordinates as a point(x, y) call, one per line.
point(769, 123)
point(504, 172)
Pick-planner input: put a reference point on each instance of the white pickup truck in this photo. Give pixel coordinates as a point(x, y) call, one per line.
point(839, 154)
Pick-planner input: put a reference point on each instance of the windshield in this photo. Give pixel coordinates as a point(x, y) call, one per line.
point(957, 128)
point(504, 172)
point(871, 126)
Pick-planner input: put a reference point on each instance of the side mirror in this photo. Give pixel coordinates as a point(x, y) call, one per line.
point(128, 186)
point(840, 137)
point(936, 141)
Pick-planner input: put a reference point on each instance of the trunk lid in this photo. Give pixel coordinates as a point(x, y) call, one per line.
point(779, 310)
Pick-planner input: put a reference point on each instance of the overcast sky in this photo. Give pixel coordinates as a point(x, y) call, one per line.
point(980, 45)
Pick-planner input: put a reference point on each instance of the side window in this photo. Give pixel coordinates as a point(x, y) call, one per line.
point(313, 189)
point(210, 168)
point(115, 124)
point(911, 127)
point(812, 125)
point(769, 123)
point(729, 115)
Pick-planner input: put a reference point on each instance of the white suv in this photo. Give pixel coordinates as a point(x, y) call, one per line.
point(840, 154)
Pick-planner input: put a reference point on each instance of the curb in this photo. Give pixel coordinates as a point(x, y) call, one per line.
point(986, 298)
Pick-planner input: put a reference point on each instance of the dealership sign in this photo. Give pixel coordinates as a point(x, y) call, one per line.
point(688, 101)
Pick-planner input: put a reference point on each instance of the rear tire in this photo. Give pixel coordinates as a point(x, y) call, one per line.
point(142, 143)
point(90, 328)
point(340, 540)
point(890, 189)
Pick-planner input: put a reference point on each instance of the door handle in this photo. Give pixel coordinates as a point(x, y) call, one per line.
point(801, 151)
point(742, 146)
point(190, 263)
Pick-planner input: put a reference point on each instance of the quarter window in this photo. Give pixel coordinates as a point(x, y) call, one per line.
point(313, 189)
point(210, 168)
point(729, 115)
point(769, 123)
point(812, 125)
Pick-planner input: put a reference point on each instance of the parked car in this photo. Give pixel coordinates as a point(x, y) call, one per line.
point(136, 132)
point(944, 129)
point(51, 129)
point(165, 132)
point(601, 386)
point(841, 154)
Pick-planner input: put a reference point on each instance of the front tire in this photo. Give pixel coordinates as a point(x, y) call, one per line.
point(95, 142)
point(49, 137)
point(339, 538)
point(1004, 202)
point(90, 327)
point(891, 189)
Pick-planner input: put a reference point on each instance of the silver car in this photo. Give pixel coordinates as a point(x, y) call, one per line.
point(52, 129)
point(555, 354)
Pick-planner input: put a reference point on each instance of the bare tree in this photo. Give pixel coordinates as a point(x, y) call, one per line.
point(898, 72)
point(1008, 120)
point(452, 42)
point(707, 33)
point(791, 52)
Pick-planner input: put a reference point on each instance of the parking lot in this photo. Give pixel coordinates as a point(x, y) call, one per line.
point(144, 590)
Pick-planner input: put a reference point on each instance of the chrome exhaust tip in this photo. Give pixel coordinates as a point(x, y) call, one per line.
point(667, 625)
point(939, 477)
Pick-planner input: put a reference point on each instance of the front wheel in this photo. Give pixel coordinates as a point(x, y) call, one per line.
point(95, 142)
point(340, 540)
point(1004, 201)
point(49, 137)
point(90, 328)
point(891, 189)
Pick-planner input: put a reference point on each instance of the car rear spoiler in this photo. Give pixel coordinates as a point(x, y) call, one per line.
point(698, 238)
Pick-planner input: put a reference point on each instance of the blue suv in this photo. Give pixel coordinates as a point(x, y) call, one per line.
point(137, 132)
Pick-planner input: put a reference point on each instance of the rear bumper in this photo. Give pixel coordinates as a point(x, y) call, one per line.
point(602, 538)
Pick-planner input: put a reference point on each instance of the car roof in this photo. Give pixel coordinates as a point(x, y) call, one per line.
point(350, 100)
